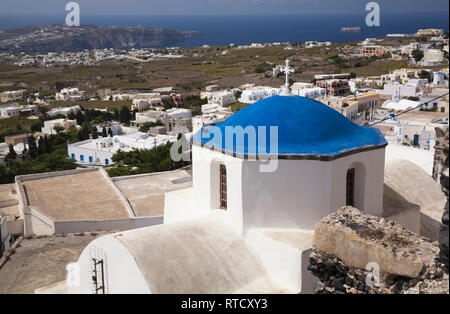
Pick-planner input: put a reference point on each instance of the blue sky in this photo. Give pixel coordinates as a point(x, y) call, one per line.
point(212, 7)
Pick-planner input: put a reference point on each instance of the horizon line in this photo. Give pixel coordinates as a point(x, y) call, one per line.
point(216, 14)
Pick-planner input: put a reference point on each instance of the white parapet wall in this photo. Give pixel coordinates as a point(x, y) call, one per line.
point(39, 223)
point(65, 227)
point(179, 205)
point(285, 255)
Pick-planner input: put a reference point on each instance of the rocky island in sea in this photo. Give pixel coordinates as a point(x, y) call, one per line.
point(352, 29)
point(57, 38)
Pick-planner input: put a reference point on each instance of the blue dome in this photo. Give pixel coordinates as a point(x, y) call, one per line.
point(306, 128)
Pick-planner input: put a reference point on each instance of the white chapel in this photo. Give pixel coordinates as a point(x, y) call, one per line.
point(261, 180)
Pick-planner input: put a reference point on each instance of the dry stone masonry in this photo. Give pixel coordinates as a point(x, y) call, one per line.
point(441, 174)
point(348, 241)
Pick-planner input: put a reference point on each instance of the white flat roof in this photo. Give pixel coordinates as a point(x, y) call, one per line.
point(421, 157)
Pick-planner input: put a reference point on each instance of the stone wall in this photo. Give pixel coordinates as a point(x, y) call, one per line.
point(358, 253)
point(441, 173)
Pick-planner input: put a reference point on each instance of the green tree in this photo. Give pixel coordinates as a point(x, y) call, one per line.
point(417, 54)
point(24, 153)
point(59, 86)
point(259, 69)
point(83, 134)
point(94, 132)
point(32, 147)
point(72, 116)
point(168, 104)
point(116, 114)
point(43, 110)
point(12, 155)
point(79, 117)
point(58, 129)
point(145, 161)
point(36, 126)
point(54, 158)
point(104, 133)
point(423, 39)
point(147, 125)
point(386, 55)
point(5, 175)
point(46, 145)
point(110, 132)
point(125, 115)
point(40, 147)
point(425, 75)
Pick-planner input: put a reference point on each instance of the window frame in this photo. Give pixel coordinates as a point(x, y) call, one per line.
point(223, 201)
point(350, 190)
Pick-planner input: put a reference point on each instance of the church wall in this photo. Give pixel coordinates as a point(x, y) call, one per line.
point(286, 263)
point(201, 178)
point(205, 179)
point(296, 195)
point(179, 205)
point(122, 274)
point(369, 177)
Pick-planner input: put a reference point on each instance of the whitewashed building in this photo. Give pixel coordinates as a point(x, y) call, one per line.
point(9, 112)
point(65, 124)
point(398, 104)
point(149, 116)
point(115, 127)
point(122, 96)
point(179, 113)
point(12, 95)
point(142, 104)
point(100, 151)
point(211, 113)
point(417, 82)
point(402, 90)
point(222, 98)
point(71, 94)
point(254, 94)
point(241, 229)
point(308, 90)
point(417, 134)
point(432, 57)
point(65, 111)
point(439, 79)
point(212, 108)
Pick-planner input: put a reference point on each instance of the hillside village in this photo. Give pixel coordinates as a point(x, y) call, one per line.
point(111, 144)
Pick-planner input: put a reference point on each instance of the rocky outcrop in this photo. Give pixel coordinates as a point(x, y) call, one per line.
point(358, 253)
point(441, 173)
point(58, 38)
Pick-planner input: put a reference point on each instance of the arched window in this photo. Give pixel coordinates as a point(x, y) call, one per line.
point(223, 187)
point(350, 195)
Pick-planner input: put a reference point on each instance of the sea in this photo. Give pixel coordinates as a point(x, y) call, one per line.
point(219, 30)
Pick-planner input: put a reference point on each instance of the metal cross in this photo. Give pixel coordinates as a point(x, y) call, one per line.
point(287, 70)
